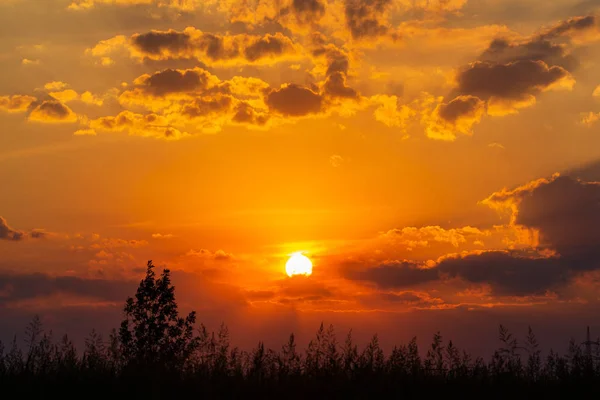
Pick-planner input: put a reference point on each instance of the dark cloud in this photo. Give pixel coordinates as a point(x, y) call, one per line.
point(514, 80)
point(503, 51)
point(510, 73)
point(567, 214)
point(507, 273)
point(202, 107)
point(246, 114)
point(364, 18)
point(174, 81)
point(186, 44)
point(308, 11)
point(294, 100)
point(548, 46)
point(571, 25)
point(511, 274)
point(565, 211)
point(268, 46)
point(335, 86)
point(208, 47)
point(401, 298)
point(337, 60)
point(303, 288)
point(37, 234)
point(392, 275)
point(52, 111)
point(338, 65)
point(260, 295)
point(149, 125)
point(16, 287)
point(460, 107)
point(154, 42)
point(8, 233)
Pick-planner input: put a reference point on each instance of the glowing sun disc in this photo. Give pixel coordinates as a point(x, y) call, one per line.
point(298, 264)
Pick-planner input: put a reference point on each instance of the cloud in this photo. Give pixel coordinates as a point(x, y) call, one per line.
point(336, 161)
point(8, 233)
point(64, 96)
point(589, 119)
point(52, 111)
point(503, 88)
point(334, 64)
point(564, 211)
point(508, 76)
point(209, 48)
point(548, 46)
point(308, 11)
point(367, 18)
point(218, 255)
point(55, 85)
point(456, 117)
point(391, 274)
point(248, 115)
point(69, 95)
point(412, 237)
point(259, 295)
point(294, 100)
point(113, 243)
point(509, 274)
point(148, 125)
point(27, 62)
point(301, 288)
point(567, 214)
point(18, 287)
point(38, 234)
point(515, 273)
point(391, 112)
point(514, 81)
point(85, 132)
point(162, 236)
point(16, 103)
point(175, 81)
point(178, 5)
point(178, 98)
point(571, 27)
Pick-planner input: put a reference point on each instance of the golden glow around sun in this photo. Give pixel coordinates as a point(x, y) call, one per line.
point(298, 264)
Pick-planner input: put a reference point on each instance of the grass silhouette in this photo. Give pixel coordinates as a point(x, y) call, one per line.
point(158, 354)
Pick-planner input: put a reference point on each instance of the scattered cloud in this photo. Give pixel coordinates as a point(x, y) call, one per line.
point(162, 236)
point(28, 62)
point(336, 161)
point(16, 103)
point(8, 233)
point(11, 234)
point(218, 255)
point(52, 111)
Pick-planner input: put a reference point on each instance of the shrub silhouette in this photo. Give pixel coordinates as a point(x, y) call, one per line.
point(158, 354)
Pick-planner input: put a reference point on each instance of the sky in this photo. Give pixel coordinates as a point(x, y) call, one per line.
point(437, 160)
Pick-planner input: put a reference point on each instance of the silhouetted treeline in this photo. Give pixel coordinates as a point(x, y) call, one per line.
point(156, 353)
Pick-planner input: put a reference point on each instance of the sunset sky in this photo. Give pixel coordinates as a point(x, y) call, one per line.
point(437, 160)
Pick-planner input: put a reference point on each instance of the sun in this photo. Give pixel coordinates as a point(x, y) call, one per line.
point(298, 264)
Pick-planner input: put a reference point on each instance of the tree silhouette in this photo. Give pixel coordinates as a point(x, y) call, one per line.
point(152, 335)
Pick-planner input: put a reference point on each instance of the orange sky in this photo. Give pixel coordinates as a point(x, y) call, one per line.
point(435, 159)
